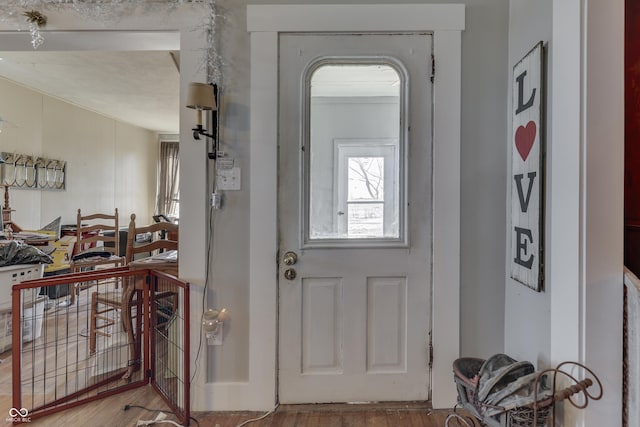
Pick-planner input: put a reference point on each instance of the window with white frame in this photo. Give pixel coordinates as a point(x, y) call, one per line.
point(355, 162)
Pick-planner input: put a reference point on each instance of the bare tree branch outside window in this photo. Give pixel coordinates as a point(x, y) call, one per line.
point(369, 171)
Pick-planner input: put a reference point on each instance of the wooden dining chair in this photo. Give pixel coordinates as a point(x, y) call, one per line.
point(163, 238)
point(103, 302)
point(97, 246)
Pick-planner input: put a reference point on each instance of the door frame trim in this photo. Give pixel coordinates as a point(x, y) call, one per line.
point(265, 22)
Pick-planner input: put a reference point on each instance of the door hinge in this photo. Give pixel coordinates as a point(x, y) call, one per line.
point(430, 349)
point(433, 67)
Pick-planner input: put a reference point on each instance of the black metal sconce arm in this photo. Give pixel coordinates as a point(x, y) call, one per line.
point(199, 130)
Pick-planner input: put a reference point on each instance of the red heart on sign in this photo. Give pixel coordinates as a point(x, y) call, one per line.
point(525, 137)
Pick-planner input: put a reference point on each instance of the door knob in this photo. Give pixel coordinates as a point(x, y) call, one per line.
point(290, 274)
point(290, 258)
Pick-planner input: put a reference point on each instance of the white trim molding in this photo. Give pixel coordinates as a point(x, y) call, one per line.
point(586, 198)
point(351, 17)
point(265, 22)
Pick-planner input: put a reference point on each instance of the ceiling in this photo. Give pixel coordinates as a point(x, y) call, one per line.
point(143, 87)
point(137, 87)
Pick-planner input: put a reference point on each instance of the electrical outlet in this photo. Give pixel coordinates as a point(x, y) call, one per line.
point(215, 337)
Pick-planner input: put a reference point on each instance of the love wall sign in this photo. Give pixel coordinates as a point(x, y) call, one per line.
point(527, 171)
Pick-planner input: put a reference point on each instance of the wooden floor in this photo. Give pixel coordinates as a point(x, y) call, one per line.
point(374, 415)
point(110, 412)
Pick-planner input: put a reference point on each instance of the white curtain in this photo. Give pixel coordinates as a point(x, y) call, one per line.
point(168, 179)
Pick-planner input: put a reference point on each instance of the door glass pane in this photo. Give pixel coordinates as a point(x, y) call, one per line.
point(366, 178)
point(364, 196)
point(353, 165)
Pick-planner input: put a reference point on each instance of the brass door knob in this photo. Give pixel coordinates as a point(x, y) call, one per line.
point(290, 274)
point(290, 258)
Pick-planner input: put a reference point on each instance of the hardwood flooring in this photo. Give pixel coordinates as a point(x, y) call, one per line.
point(109, 412)
point(369, 415)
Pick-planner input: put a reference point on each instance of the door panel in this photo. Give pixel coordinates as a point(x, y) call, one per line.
point(322, 325)
point(354, 308)
point(386, 332)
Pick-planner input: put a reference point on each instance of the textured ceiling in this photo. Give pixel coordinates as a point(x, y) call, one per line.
point(137, 87)
point(143, 87)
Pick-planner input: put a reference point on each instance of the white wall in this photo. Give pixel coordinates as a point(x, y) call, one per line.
point(603, 203)
point(579, 317)
point(110, 164)
point(483, 177)
point(527, 313)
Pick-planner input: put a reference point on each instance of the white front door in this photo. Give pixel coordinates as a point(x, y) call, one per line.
point(355, 217)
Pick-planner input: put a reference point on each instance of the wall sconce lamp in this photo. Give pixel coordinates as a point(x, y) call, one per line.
point(203, 97)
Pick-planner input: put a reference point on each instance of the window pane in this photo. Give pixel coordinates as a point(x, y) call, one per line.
point(353, 161)
point(366, 178)
point(366, 220)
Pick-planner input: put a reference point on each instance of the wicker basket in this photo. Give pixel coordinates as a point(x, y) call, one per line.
point(525, 417)
point(536, 413)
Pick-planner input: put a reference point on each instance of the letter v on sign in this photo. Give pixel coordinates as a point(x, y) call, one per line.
point(524, 200)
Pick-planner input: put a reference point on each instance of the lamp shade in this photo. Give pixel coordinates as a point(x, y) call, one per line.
point(200, 97)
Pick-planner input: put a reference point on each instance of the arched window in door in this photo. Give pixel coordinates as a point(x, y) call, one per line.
point(355, 152)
